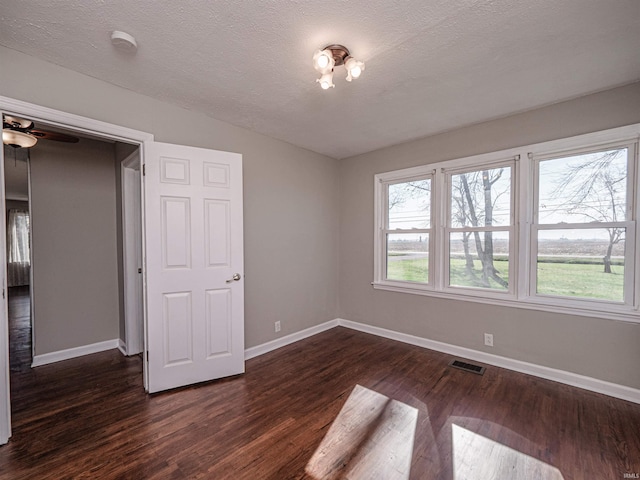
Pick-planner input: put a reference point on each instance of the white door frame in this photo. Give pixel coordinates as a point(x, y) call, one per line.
point(5, 405)
point(79, 124)
point(132, 253)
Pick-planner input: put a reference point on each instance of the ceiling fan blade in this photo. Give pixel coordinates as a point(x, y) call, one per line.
point(16, 122)
point(58, 137)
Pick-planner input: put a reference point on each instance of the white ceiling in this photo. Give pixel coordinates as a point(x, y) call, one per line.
point(431, 65)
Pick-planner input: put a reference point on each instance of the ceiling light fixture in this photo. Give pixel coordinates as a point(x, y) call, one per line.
point(17, 139)
point(354, 68)
point(326, 81)
point(332, 56)
point(323, 61)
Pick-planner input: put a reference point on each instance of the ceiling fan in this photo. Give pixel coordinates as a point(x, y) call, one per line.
point(21, 133)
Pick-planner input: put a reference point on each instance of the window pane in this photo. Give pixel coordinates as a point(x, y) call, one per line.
point(408, 257)
point(479, 259)
point(481, 198)
point(410, 205)
point(587, 263)
point(584, 188)
point(18, 237)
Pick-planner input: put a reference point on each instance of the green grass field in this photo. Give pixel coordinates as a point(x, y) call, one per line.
point(562, 279)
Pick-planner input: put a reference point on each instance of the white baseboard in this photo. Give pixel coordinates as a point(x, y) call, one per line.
point(292, 338)
point(46, 358)
point(568, 378)
point(122, 347)
point(588, 383)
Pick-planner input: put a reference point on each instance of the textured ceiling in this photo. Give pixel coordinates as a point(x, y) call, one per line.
point(430, 65)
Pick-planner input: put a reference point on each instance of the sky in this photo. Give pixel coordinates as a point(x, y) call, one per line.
point(562, 182)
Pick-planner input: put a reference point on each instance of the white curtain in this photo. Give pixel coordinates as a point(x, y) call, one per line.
point(18, 254)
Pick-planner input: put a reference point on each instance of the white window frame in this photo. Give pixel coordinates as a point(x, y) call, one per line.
point(523, 248)
point(386, 231)
point(382, 215)
point(448, 229)
point(628, 224)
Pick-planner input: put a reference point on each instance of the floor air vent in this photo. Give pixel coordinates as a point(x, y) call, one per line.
point(469, 367)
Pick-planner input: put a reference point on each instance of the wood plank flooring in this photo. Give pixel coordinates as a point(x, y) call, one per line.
point(372, 436)
point(90, 418)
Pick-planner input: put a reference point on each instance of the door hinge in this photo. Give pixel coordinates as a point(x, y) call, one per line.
point(3, 293)
point(147, 356)
point(144, 169)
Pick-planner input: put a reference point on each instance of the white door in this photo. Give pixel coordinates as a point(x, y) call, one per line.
point(5, 404)
point(132, 254)
point(194, 265)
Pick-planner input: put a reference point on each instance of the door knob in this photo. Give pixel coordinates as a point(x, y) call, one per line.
point(235, 278)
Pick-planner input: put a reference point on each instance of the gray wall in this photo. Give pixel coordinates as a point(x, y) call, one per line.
point(73, 225)
point(599, 348)
point(16, 174)
point(290, 194)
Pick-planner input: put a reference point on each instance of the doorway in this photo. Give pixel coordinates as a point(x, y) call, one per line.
point(18, 257)
point(76, 126)
point(87, 226)
point(188, 193)
point(76, 287)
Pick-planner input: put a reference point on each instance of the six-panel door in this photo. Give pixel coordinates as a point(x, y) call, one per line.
point(194, 247)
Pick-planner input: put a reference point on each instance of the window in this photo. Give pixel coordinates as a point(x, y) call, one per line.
point(580, 225)
point(549, 226)
point(18, 255)
point(479, 229)
point(408, 230)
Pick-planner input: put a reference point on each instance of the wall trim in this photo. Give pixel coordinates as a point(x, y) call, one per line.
point(17, 197)
point(568, 378)
point(258, 350)
point(122, 346)
point(72, 121)
point(46, 358)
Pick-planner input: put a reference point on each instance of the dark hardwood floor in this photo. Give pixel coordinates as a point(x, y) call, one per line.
point(90, 418)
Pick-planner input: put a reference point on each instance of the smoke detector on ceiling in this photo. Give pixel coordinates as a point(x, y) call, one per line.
point(124, 42)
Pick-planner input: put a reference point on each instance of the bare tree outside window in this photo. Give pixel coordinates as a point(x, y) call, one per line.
point(588, 188)
point(480, 199)
point(585, 195)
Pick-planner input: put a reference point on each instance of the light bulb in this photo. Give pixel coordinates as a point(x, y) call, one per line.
point(323, 61)
point(326, 81)
point(354, 68)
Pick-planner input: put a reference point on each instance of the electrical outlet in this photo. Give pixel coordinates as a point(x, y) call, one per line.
point(488, 339)
point(277, 326)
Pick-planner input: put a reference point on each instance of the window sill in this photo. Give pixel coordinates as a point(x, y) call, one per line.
point(555, 305)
